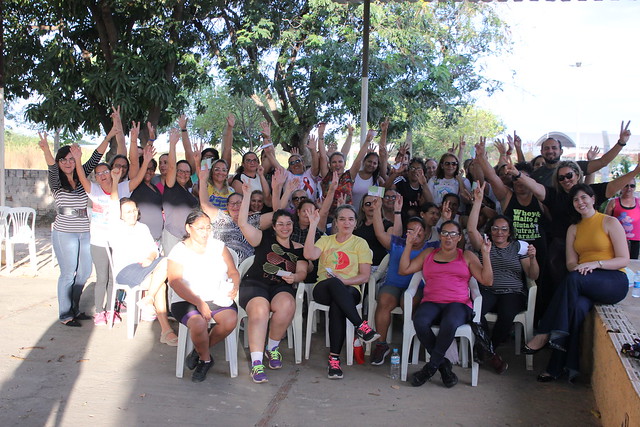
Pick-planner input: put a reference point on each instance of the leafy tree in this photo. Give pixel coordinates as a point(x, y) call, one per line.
point(300, 60)
point(78, 58)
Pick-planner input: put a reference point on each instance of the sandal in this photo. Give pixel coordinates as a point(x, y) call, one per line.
point(172, 342)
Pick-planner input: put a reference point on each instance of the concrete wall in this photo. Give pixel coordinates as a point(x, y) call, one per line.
point(29, 188)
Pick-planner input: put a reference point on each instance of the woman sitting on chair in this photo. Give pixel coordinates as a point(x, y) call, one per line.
point(596, 254)
point(345, 264)
point(198, 269)
point(507, 295)
point(131, 240)
point(445, 300)
point(267, 286)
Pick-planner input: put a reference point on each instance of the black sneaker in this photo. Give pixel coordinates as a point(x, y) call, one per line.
point(201, 371)
point(192, 360)
point(365, 333)
point(380, 352)
point(423, 375)
point(449, 379)
point(334, 372)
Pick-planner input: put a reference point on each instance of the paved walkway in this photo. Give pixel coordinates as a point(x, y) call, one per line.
point(58, 376)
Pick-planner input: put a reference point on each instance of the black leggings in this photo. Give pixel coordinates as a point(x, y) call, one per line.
point(342, 301)
point(507, 307)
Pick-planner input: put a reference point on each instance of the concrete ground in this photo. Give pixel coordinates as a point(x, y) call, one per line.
point(53, 375)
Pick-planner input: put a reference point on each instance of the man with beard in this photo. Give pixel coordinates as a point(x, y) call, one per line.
point(551, 150)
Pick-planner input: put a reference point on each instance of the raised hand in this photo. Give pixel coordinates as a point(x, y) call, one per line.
point(43, 144)
point(421, 178)
point(152, 132)
point(342, 199)
point(462, 144)
point(278, 177)
point(260, 170)
point(231, 120)
point(412, 236)
point(625, 133)
point(517, 142)
point(334, 181)
point(134, 132)
point(265, 129)
point(397, 204)
point(350, 129)
point(592, 153)
point(370, 135)
point(478, 193)
point(531, 251)
point(174, 136)
point(182, 121)
point(203, 172)
point(446, 214)
point(500, 146)
point(384, 126)
point(148, 153)
point(486, 247)
point(295, 151)
point(116, 173)
point(480, 148)
point(293, 184)
point(314, 217)
point(452, 149)
point(321, 127)
point(511, 145)
point(76, 152)
point(246, 189)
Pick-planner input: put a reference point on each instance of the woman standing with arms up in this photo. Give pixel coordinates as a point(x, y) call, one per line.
point(70, 234)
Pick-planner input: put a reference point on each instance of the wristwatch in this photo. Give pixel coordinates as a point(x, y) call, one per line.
point(600, 264)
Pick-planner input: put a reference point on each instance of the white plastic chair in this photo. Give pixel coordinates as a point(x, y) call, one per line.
point(132, 296)
point(4, 225)
point(372, 301)
point(21, 230)
point(294, 331)
point(463, 332)
point(314, 306)
point(185, 346)
point(523, 322)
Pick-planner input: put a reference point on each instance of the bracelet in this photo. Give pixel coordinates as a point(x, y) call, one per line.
point(600, 264)
point(621, 145)
point(183, 130)
point(397, 212)
point(151, 140)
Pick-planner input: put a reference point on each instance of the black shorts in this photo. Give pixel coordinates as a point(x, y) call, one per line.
point(250, 289)
point(184, 310)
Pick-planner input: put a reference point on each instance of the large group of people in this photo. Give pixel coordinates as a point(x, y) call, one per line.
point(181, 235)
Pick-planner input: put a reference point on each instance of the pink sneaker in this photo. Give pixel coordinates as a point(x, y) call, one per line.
point(110, 316)
point(100, 319)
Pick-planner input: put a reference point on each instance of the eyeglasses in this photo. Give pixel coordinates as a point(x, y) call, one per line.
point(67, 160)
point(188, 172)
point(452, 234)
point(251, 160)
point(450, 163)
point(630, 186)
point(294, 162)
point(495, 229)
point(389, 197)
point(206, 228)
point(296, 198)
point(238, 203)
point(121, 166)
point(220, 170)
point(284, 224)
point(561, 178)
point(102, 173)
point(367, 204)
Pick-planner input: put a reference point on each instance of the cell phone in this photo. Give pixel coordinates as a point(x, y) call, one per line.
point(474, 185)
point(330, 272)
point(266, 146)
point(205, 164)
point(283, 273)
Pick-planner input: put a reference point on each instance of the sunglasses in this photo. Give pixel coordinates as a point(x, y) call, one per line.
point(561, 178)
point(297, 198)
point(630, 186)
point(450, 163)
point(452, 234)
point(495, 229)
point(294, 162)
point(389, 197)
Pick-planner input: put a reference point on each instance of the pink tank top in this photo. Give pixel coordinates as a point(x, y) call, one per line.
point(448, 282)
point(628, 217)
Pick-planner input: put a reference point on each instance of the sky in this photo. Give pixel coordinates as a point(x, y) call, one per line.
point(545, 91)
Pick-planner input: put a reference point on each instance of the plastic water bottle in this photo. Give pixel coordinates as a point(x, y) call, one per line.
point(395, 365)
point(636, 286)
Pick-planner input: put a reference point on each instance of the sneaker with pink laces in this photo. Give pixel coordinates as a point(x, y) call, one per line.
point(365, 333)
point(100, 319)
point(113, 316)
point(334, 372)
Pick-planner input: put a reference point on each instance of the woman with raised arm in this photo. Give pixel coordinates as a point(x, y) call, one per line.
point(266, 290)
point(448, 179)
point(373, 166)
point(506, 296)
point(70, 236)
point(177, 199)
point(597, 254)
point(225, 221)
point(135, 258)
point(199, 270)
point(365, 228)
point(447, 271)
point(346, 178)
point(209, 152)
point(99, 193)
point(414, 189)
point(345, 263)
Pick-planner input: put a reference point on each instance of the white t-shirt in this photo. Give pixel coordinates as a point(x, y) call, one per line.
point(100, 211)
point(360, 189)
point(307, 183)
point(130, 244)
point(202, 272)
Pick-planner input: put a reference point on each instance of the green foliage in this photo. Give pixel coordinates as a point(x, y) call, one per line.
point(621, 165)
point(18, 140)
point(440, 131)
point(80, 58)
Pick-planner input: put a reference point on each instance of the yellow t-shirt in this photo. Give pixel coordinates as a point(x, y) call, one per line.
point(343, 258)
point(592, 243)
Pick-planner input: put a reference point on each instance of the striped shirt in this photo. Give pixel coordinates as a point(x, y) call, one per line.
point(508, 274)
point(76, 199)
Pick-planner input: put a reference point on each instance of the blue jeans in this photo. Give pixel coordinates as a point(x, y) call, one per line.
point(570, 305)
point(74, 259)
